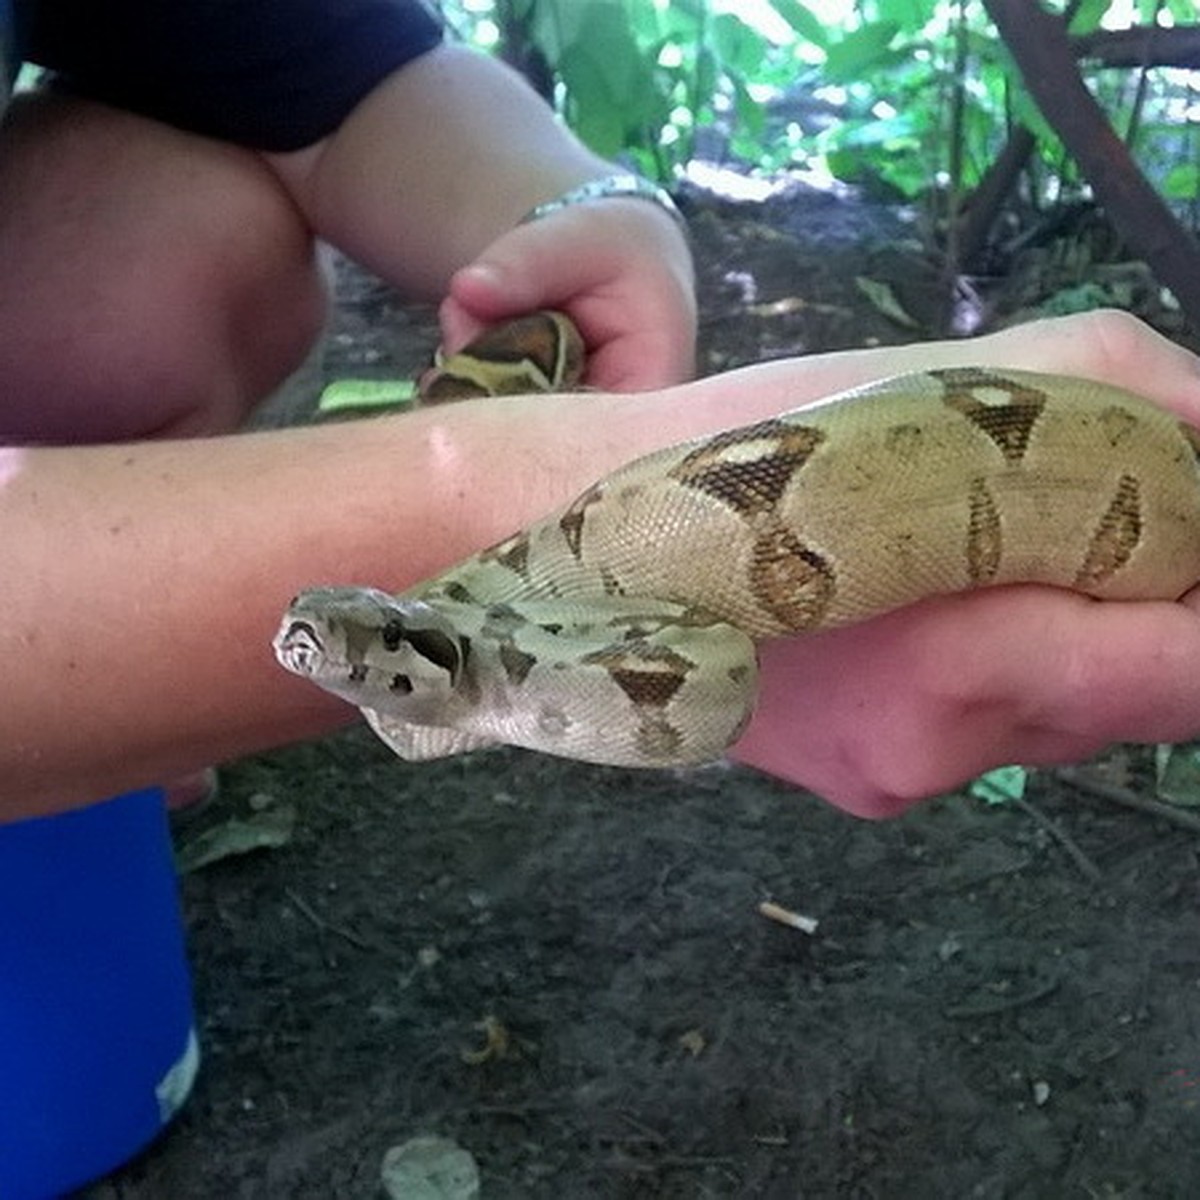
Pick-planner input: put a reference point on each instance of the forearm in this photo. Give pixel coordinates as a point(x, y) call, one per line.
point(142, 584)
point(443, 157)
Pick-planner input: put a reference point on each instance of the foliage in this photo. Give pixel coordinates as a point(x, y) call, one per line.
point(641, 78)
point(902, 95)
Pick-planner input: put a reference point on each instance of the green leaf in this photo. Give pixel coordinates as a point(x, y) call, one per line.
point(344, 394)
point(555, 25)
point(884, 300)
point(1086, 297)
point(265, 830)
point(609, 81)
point(1177, 770)
point(909, 15)
point(751, 117)
point(1182, 182)
point(705, 76)
point(802, 20)
point(1184, 11)
point(885, 131)
point(695, 11)
point(1026, 111)
point(853, 55)
point(892, 176)
point(1001, 786)
point(739, 48)
point(1089, 15)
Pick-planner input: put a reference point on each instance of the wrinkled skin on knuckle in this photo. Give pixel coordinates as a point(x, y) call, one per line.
point(1120, 339)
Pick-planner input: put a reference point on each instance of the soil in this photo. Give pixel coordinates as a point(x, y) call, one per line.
point(564, 969)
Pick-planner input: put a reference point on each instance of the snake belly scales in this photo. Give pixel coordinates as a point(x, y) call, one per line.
point(622, 628)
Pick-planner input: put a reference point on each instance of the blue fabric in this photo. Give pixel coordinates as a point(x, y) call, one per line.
point(10, 58)
point(274, 75)
point(95, 993)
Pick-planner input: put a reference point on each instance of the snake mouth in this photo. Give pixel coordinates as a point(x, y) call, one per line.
point(298, 647)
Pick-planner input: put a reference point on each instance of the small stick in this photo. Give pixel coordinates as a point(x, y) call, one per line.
point(785, 916)
point(1060, 835)
point(1128, 798)
point(1002, 1004)
point(307, 910)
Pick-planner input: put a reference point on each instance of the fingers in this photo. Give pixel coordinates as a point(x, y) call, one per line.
point(880, 715)
point(620, 268)
point(1107, 345)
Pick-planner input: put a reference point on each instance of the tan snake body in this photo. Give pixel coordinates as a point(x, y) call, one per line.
point(622, 628)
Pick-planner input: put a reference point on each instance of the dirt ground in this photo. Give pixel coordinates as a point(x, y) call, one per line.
point(999, 1001)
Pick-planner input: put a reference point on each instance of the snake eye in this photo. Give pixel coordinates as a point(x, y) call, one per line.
point(434, 646)
point(438, 648)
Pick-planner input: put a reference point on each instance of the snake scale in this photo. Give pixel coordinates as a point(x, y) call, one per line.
point(622, 628)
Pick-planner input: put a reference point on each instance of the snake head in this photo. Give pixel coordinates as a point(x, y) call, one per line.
point(376, 650)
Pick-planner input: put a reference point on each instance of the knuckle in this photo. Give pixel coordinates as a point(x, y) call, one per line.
point(1120, 339)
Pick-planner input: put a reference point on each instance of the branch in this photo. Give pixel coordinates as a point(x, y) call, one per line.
point(1150, 46)
point(984, 203)
point(1042, 50)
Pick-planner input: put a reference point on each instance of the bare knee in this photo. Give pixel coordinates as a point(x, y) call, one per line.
point(243, 305)
point(155, 282)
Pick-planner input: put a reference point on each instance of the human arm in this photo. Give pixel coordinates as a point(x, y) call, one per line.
point(142, 585)
point(426, 183)
point(416, 157)
point(878, 716)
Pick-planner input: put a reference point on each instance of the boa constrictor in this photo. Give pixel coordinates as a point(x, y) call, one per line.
point(622, 628)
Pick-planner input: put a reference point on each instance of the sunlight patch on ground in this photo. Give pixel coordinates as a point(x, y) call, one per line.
point(725, 181)
point(733, 185)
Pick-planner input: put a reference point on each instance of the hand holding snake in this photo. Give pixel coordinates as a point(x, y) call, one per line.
point(621, 629)
point(622, 267)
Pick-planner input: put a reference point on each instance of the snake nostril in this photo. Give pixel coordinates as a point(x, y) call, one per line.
point(299, 648)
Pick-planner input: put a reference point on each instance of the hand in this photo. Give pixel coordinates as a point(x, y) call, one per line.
point(620, 268)
point(877, 716)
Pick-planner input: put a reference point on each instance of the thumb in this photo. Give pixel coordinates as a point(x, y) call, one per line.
point(514, 275)
point(477, 298)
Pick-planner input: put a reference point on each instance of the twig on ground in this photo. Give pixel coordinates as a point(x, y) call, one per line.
point(306, 910)
point(1128, 798)
point(1064, 839)
point(1002, 1004)
point(645, 1131)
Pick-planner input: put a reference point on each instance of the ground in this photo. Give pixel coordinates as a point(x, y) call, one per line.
point(563, 968)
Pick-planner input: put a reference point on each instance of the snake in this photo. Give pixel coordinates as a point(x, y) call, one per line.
point(624, 628)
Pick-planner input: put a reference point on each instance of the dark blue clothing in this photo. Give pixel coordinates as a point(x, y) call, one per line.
point(8, 51)
point(273, 75)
